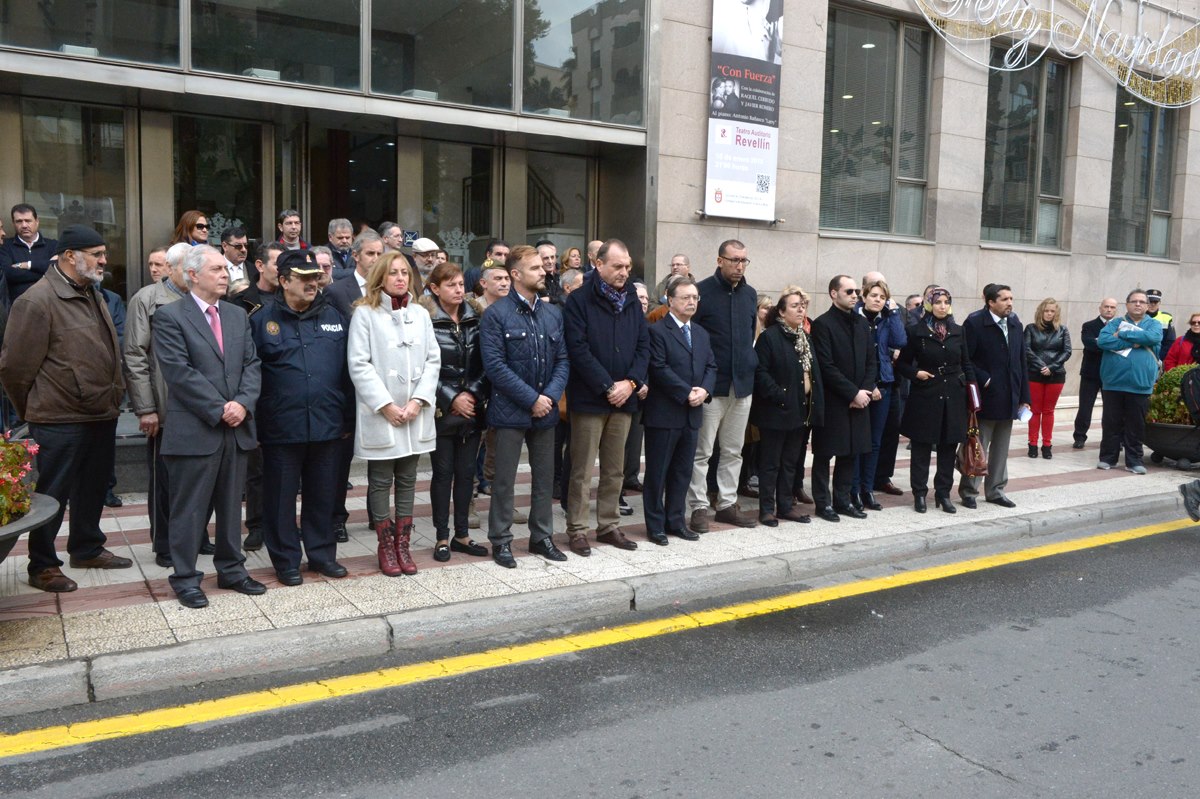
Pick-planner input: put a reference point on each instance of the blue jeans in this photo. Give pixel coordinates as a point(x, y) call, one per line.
point(864, 465)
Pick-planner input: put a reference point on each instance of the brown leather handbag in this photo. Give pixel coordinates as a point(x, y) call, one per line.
point(972, 460)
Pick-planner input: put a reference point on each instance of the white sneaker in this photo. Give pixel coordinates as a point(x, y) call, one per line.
point(1139, 469)
point(1104, 466)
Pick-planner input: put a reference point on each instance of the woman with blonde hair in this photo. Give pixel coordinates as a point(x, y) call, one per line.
point(571, 259)
point(1047, 350)
point(394, 361)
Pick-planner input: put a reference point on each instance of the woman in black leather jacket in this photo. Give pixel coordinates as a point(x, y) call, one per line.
point(935, 359)
point(461, 393)
point(1047, 350)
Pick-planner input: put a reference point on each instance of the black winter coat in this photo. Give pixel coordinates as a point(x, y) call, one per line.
point(1047, 348)
point(848, 358)
point(936, 411)
point(779, 401)
point(462, 367)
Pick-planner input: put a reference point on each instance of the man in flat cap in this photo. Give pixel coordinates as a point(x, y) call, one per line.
point(61, 367)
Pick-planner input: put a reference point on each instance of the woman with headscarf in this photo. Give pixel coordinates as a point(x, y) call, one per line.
point(787, 402)
point(1186, 348)
point(935, 418)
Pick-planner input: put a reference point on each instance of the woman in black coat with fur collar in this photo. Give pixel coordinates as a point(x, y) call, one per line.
point(935, 416)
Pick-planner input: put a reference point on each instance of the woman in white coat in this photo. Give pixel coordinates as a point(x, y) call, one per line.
point(394, 362)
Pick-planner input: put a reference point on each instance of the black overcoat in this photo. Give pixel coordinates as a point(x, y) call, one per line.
point(936, 411)
point(779, 401)
point(846, 355)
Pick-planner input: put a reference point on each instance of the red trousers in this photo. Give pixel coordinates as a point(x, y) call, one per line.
point(1043, 397)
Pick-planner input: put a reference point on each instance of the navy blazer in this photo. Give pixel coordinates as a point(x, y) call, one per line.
point(200, 380)
point(342, 294)
point(674, 370)
point(999, 367)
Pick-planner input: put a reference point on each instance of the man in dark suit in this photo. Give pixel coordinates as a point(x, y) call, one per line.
point(1089, 371)
point(213, 377)
point(996, 347)
point(342, 294)
point(847, 357)
point(682, 376)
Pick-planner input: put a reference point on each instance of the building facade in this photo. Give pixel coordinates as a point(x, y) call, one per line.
point(576, 119)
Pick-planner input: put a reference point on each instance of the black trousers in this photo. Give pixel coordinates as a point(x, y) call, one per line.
point(670, 454)
point(918, 468)
point(309, 467)
point(453, 476)
point(798, 482)
point(778, 453)
point(345, 455)
point(1088, 389)
point(843, 479)
point(254, 489)
point(73, 461)
point(158, 498)
point(1123, 423)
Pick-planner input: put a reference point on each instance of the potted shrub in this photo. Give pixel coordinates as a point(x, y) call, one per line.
point(21, 509)
point(1170, 430)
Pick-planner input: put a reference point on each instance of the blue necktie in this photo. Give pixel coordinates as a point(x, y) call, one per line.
point(687, 334)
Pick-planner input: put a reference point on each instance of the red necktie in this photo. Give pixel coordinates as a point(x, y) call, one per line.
point(214, 322)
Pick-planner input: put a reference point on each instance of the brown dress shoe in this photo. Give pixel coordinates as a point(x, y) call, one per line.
point(105, 560)
point(52, 579)
point(578, 543)
point(890, 488)
point(803, 498)
point(733, 515)
point(617, 539)
point(700, 517)
point(794, 515)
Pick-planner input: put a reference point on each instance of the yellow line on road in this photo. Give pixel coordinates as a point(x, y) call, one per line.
point(51, 738)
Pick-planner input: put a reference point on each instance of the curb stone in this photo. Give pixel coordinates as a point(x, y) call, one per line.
point(34, 688)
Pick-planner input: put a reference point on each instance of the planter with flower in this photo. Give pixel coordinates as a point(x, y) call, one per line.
point(21, 509)
point(1170, 430)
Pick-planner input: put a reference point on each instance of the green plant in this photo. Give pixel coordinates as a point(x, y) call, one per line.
point(15, 464)
point(1166, 405)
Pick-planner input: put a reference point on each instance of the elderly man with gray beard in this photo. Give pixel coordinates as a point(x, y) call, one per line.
point(61, 366)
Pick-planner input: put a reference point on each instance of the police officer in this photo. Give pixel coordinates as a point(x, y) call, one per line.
point(305, 407)
point(1154, 297)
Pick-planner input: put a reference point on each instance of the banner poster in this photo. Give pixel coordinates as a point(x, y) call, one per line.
point(743, 103)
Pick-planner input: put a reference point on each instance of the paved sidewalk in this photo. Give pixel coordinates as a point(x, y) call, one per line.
point(129, 611)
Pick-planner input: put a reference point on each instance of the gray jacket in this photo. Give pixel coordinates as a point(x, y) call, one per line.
point(147, 390)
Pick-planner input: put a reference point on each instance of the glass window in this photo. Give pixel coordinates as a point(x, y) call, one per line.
point(457, 203)
point(218, 170)
point(556, 201)
point(1023, 155)
point(145, 31)
point(456, 52)
point(876, 111)
point(74, 163)
point(289, 40)
point(1143, 165)
point(353, 175)
point(585, 59)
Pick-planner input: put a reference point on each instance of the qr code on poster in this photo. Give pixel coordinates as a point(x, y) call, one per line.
point(764, 184)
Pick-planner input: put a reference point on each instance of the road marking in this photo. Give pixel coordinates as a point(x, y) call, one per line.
point(123, 726)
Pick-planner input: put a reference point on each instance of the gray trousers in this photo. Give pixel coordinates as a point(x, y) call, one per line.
point(995, 436)
point(381, 477)
point(507, 451)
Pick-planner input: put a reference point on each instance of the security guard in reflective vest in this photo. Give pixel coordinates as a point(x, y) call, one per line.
point(307, 400)
point(1154, 297)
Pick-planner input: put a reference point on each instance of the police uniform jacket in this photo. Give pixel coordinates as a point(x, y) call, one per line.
point(306, 391)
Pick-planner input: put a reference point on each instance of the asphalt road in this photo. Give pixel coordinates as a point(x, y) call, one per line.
point(1073, 676)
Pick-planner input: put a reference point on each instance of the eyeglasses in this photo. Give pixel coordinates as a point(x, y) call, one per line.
point(737, 261)
point(1194, 324)
point(201, 225)
point(95, 254)
point(235, 246)
point(851, 292)
point(1154, 300)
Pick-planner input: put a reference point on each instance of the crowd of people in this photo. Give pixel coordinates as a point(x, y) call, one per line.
point(261, 380)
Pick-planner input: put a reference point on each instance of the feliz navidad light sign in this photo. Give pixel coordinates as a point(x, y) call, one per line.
point(1159, 63)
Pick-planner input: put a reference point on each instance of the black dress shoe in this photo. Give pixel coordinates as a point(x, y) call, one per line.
point(253, 541)
point(634, 486)
point(290, 576)
point(853, 512)
point(688, 535)
point(163, 561)
point(208, 548)
point(624, 508)
point(330, 568)
point(969, 502)
point(1003, 502)
point(828, 514)
point(246, 585)
point(768, 520)
point(1077, 445)
point(111, 500)
point(547, 550)
point(469, 548)
point(945, 504)
point(919, 503)
point(869, 502)
point(339, 533)
point(502, 554)
point(657, 537)
point(856, 502)
point(192, 598)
